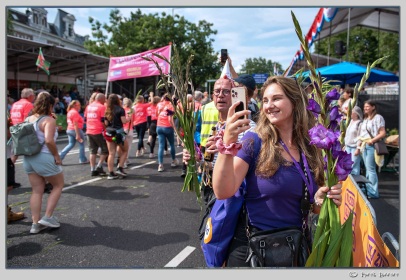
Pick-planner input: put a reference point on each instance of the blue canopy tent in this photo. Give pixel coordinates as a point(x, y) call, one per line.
point(351, 73)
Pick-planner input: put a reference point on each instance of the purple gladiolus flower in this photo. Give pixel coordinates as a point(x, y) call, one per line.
point(332, 95)
point(314, 107)
point(343, 166)
point(322, 137)
point(335, 114)
point(336, 149)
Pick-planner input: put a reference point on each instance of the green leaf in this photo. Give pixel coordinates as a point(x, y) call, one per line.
point(345, 259)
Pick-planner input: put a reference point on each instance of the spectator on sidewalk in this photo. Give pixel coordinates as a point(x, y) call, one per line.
point(351, 139)
point(372, 130)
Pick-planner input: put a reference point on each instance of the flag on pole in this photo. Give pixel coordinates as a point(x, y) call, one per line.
point(42, 63)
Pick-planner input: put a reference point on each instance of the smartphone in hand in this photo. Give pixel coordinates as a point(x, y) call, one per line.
point(239, 94)
point(224, 56)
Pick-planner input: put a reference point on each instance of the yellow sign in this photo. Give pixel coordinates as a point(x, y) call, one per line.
point(369, 249)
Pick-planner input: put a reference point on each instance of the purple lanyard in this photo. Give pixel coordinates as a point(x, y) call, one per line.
point(307, 179)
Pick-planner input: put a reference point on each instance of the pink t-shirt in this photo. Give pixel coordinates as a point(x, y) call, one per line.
point(163, 118)
point(72, 117)
point(152, 112)
point(128, 126)
point(20, 110)
point(140, 113)
point(94, 114)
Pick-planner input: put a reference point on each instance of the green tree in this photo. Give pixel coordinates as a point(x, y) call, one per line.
point(9, 23)
point(365, 46)
point(260, 65)
point(141, 32)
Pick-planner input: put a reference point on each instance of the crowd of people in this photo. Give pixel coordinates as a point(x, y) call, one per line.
point(260, 147)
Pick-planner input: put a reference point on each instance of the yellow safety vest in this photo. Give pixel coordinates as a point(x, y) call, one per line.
point(210, 117)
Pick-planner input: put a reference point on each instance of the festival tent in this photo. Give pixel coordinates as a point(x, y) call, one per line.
point(351, 73)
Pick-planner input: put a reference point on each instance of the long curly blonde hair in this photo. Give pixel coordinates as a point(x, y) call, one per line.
point(270, 157)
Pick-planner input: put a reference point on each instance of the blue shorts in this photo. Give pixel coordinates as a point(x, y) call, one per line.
point(42, 164)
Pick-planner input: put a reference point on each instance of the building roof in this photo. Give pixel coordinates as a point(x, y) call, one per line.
point(22, 55)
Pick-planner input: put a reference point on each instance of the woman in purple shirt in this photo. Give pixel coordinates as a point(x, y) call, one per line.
point(271, 160)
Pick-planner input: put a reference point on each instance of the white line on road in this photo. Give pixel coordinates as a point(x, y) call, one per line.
point(180, 257)
point(82, 183)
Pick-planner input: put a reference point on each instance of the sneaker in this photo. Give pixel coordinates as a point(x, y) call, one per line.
point(101, 171)
point(35, 228)
point(137, 154)
point(95, 173)
point(121, 172)
point(49, 222)
point(160, 168)
point(165, 153)
point(151, 155)
point(183, 174)
point(112, 176)
point(175, 162)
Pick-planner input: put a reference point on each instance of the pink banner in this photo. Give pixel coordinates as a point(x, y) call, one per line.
point(134, 66)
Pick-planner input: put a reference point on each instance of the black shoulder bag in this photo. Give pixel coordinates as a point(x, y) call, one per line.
point(282, 247)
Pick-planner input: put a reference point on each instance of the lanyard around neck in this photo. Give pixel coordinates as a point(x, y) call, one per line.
point(307, 179)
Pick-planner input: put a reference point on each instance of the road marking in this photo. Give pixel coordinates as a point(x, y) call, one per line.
point(82, 183)
point(180, 257)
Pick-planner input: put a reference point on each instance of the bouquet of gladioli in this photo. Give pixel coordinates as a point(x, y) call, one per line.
point(332, 242)
point(178, 83)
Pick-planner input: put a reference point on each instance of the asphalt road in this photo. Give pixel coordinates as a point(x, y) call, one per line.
point(142, 221)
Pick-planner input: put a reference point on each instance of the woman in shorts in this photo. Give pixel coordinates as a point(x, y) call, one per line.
point(45, 166)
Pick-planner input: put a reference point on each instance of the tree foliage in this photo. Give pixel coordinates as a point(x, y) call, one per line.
point(9, 23)
point(141, 32)
point(365, 46)
point(260, 65)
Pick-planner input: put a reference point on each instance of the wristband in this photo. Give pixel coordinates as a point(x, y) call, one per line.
point(231, 149)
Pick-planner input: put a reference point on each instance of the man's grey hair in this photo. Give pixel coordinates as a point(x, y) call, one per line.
point(27, 92)
point(198, 95)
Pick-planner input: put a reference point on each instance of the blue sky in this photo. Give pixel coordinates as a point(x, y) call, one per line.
point(247, 32)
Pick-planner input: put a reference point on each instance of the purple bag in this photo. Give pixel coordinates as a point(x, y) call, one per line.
point(220, 228)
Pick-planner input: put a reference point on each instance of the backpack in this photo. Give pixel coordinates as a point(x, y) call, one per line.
point(24, 138)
